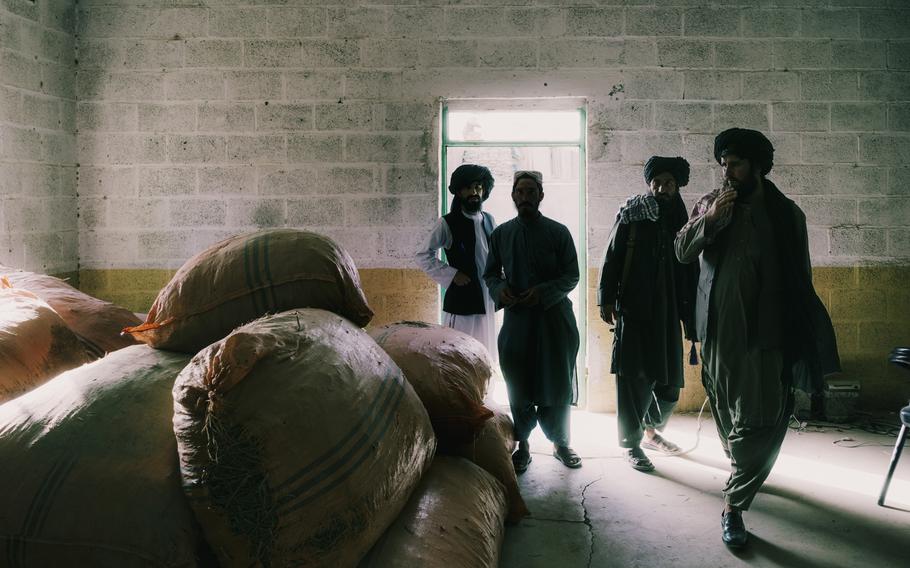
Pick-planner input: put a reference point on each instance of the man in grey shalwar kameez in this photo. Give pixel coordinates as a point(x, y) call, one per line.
point(531, 268)
point(762, 327)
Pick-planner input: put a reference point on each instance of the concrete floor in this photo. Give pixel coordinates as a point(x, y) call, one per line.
point(817, 509)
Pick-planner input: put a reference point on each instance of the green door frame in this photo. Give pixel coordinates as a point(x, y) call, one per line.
point(581, 362)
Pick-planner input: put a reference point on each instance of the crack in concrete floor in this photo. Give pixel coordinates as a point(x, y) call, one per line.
point(587, 519)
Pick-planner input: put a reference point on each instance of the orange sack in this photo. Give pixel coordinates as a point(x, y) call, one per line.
point(454, 518)
point(450, 371)
point(492, 450)
point(96, 321)
point(299, 440)
point(35, 344)
point(247, 276)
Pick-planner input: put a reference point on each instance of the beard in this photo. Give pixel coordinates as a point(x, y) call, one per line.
point(665, 205)
point(471, 205)
point(744, 187)
point(526, 209)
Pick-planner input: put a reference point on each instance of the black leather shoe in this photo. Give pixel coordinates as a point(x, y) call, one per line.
point(733, 530)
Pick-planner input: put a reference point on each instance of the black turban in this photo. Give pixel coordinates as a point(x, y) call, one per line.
point(677, 167)
point(466, 174)
point(749, 144)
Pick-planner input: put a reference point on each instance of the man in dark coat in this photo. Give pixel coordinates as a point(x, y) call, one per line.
point(762, 327)
point(530, 271)
point(647, 292)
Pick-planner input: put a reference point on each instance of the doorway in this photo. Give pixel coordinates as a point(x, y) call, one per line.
point(547, 135)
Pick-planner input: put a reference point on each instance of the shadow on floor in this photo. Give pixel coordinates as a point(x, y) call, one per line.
point(607, 514)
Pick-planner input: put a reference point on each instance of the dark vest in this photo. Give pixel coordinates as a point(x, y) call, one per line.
point(464, 300)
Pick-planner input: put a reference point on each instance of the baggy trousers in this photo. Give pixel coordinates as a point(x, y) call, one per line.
point(752, 450)
point(553, 420)
point(642, 404)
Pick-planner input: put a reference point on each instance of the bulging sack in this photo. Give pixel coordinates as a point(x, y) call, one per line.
point(247, 276)
point(35, 344)
point(450, 371)
point(88, 469)
point(492, 450)
point(454, 518)
point(299, 441)
point(96, 321)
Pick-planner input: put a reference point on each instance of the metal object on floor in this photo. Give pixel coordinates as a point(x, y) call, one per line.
point(840, 399)
point(900, 356)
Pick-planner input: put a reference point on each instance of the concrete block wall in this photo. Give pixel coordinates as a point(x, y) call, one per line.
point(198, 119)
point(196, 122)
point(37, 136)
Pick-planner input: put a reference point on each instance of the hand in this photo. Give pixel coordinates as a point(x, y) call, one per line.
point(722, 206)
point(608, 314)
point(507, 297)
point(461, 279)
point(530, 297)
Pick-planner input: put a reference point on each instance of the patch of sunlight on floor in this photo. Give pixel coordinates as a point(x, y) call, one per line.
point(594, 436)
point(842, 478)
point(838, 476)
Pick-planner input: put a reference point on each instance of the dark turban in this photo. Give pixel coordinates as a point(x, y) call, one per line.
point(466, 174)
point(749, 144)
point(677, 167)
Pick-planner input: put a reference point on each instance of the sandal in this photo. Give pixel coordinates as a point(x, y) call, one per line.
point(567, 456)
point(521, 458)
point(638, 460)
point(660, 444)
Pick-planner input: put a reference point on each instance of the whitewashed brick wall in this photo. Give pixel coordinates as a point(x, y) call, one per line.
point(198, 119)
point(37, 136)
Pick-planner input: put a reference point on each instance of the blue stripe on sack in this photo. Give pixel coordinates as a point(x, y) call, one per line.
point(269, 291)
point(384, 414)
point(45, 499)
point(320, 461)
point(352, 466)
point(40, 508)
point(383, 336)
point(249, 270)
point(327, 469)
point(257, 253)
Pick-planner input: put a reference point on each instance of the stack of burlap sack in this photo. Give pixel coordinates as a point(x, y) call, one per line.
point(261, 425)
point(450, 371)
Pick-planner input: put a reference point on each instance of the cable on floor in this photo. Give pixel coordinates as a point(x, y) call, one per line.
point(658, 454)
point(697, 431)
point(864, 423)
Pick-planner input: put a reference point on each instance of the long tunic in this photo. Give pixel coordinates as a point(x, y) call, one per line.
point(746, 372)
point(481, 326)
point(658, 295)
point(742, 359)
point(741, 348)
point(537, 344)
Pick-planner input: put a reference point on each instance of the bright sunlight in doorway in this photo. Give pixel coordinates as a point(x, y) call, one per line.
point(507, 135)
